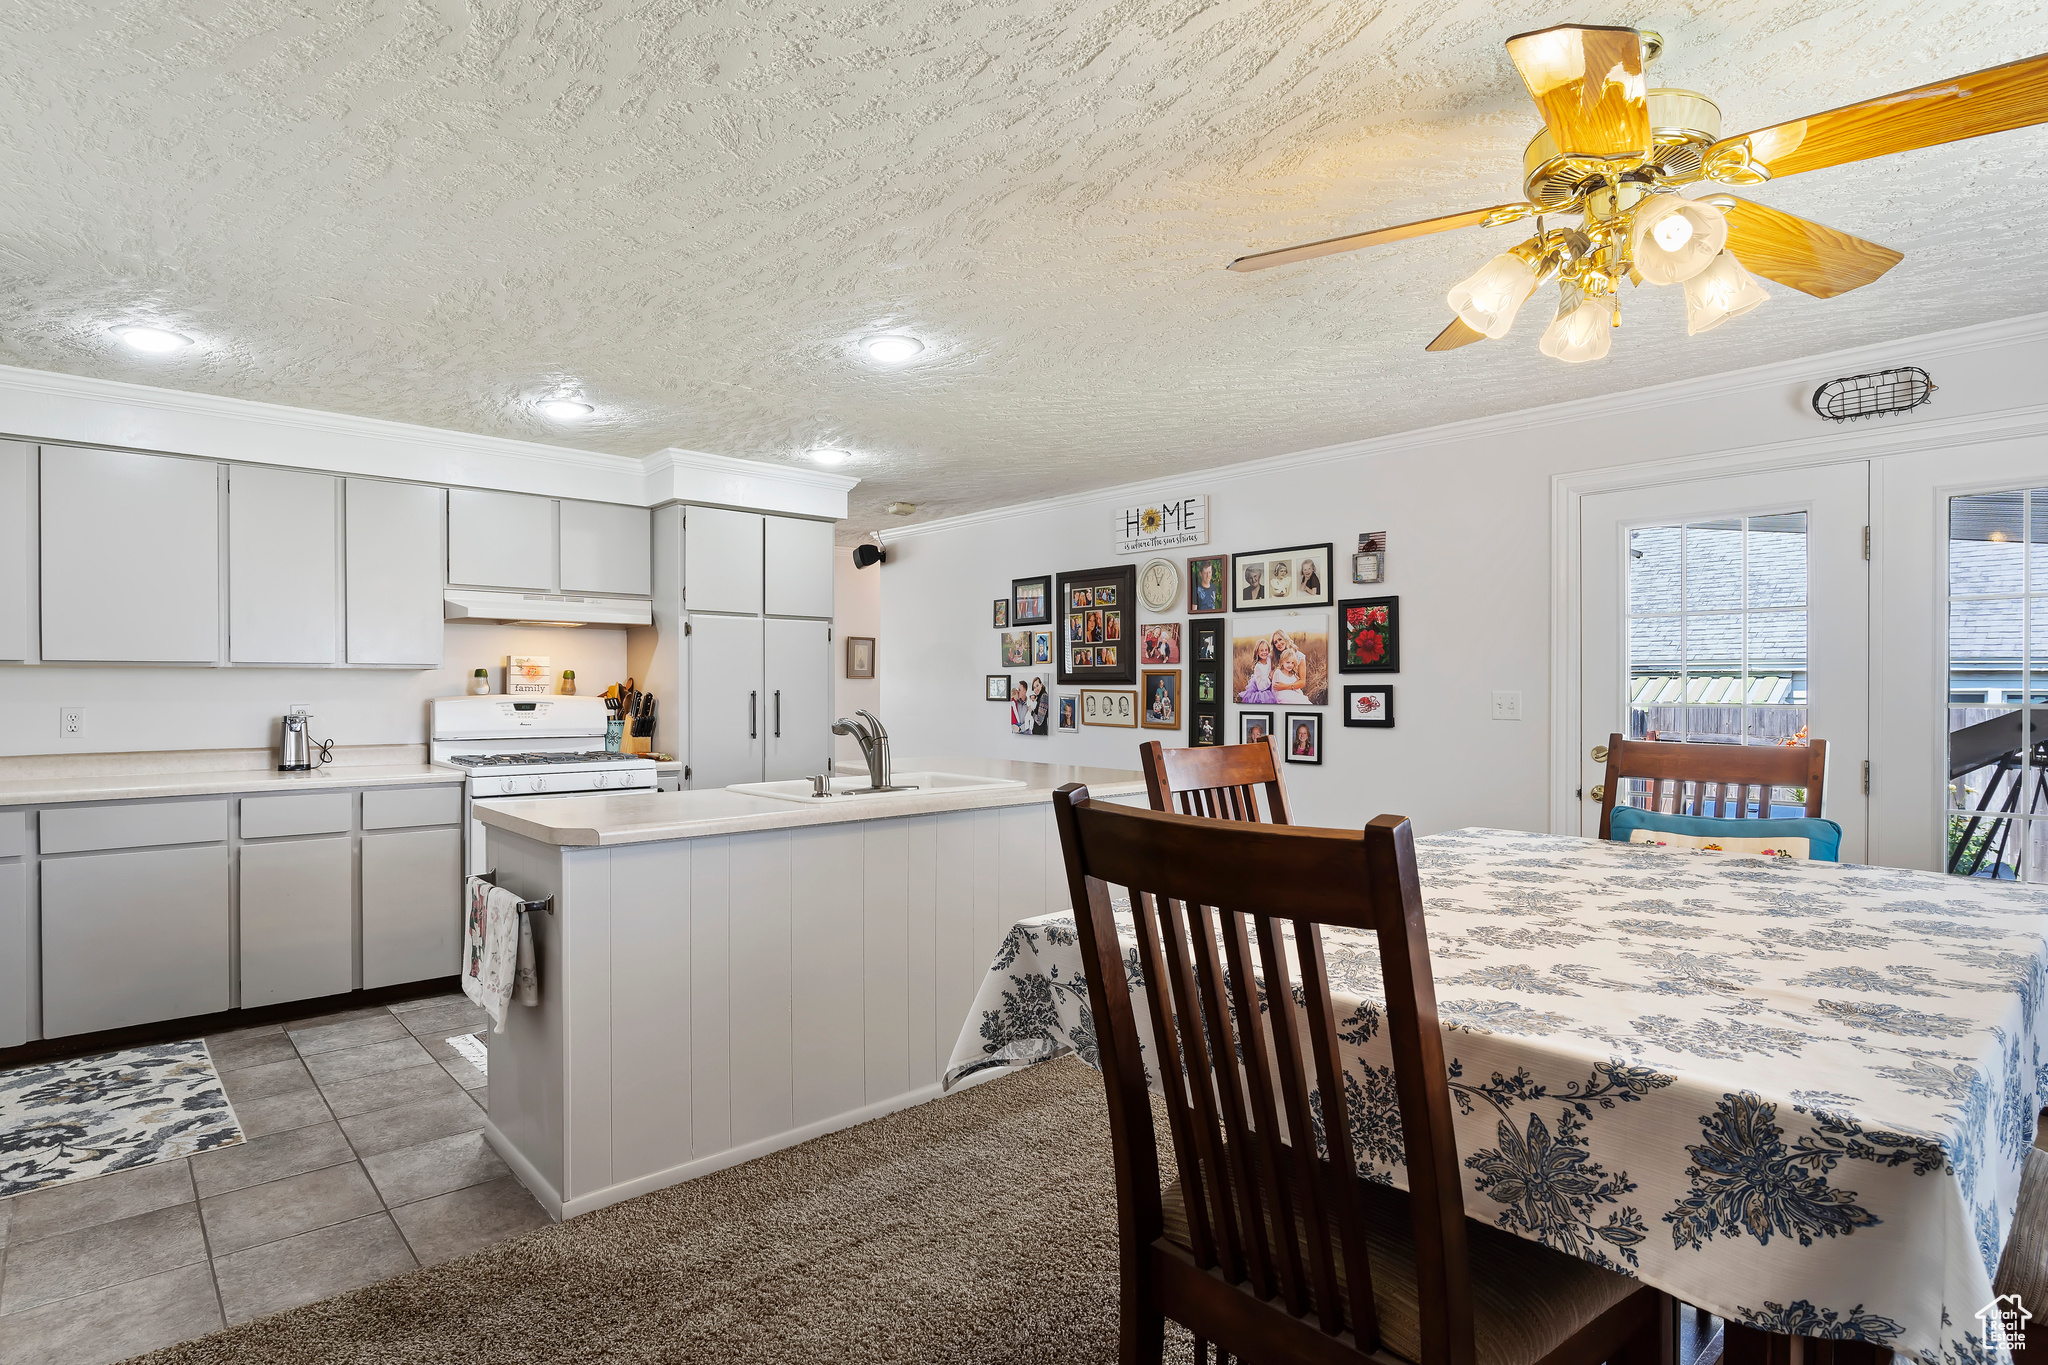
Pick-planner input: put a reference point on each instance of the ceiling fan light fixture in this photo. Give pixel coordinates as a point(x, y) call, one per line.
point(1722, 291)
point(1581, 331)
point(1674, 239)
point(1489, 300)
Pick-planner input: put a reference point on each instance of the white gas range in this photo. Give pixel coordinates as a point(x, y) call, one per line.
point(533, 746)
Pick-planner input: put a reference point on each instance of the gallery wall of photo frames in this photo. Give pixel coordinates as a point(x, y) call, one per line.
point(1265, 632)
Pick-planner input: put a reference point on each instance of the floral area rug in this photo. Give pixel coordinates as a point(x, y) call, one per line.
point(88, 1116)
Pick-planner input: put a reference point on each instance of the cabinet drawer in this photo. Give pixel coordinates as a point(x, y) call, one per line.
point(268, 817)
point(81, 829)
point(13, 833)
point(399, 806)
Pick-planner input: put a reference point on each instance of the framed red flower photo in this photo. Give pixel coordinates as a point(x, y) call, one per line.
point(1369, 632)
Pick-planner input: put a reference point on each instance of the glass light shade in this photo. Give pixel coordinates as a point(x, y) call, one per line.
point(1582, 333)
point(892, 350)
point(565, 409)
point(1695, 250)
point(1722, 291)
point(1489, 300)
point(154, 340)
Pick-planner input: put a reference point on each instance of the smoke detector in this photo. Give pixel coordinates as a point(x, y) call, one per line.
point(900, 509)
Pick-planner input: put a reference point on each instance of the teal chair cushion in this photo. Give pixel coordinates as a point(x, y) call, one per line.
point(1823, 838)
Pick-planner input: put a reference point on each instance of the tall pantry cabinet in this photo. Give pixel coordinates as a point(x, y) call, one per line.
point(740, 652)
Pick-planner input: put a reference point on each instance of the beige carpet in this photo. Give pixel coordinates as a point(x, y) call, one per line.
point(980, 1228)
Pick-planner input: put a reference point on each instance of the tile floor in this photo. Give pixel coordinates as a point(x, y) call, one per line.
point(364, 1158)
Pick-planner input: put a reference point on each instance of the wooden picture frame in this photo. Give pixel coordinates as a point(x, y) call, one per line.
point(1369, 707)
point(1027, 608)
point(996, 687)
point(1097, 635)
point(1292, 578)
point(1214, 599)
point(1368, 635)
point(1159, 691)
point(1292, 724)
point(860, 656)
point(1117, 707)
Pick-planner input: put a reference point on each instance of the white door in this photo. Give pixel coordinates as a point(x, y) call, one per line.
point(17, 544)
point(1731, 611)
point(799, 684)
point(796, 566)
point(131, 557)
point(396, 569)
point(283, 566)
point(721, 560)
point(728, 723)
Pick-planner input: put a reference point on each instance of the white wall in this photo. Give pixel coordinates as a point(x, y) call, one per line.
point(857, 607)
point(1468, 512)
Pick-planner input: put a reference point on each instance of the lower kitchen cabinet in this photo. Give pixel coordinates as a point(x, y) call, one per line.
point(17, 960)
point(412, 905)
point(298, 919)
point(129, 938)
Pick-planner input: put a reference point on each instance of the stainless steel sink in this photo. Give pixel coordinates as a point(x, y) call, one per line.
point(856, 788)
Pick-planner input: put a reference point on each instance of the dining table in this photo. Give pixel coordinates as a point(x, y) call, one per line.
point(1798, 1095)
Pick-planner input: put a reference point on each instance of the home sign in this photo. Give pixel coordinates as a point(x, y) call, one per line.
point(1164, 524)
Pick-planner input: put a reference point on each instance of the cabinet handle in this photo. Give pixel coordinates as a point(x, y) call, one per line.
point(753, 721)
point(778, 713)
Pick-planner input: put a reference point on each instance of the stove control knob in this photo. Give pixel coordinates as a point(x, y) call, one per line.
point(539, 784)
point(604, 779)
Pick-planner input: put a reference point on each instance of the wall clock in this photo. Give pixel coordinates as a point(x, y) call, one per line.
point(1159, 585)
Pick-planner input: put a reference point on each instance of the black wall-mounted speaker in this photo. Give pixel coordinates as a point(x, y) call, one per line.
point(864, 555)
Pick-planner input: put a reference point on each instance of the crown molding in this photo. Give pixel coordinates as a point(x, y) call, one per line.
point(678, 475)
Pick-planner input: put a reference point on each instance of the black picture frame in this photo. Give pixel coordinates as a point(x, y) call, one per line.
point(1120, 599)
point(1206, 659)
point(1290, 730)
point(989, 684)
point(1294, 599)
point(1018, 616)
point(1002, 613)
point(1383, 720)
point(1349, 661)
point(1247, 719)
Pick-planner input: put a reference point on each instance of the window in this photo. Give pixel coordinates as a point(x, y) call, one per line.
point(1997, 786)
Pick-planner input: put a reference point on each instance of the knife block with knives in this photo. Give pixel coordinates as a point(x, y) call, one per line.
point(636, 710)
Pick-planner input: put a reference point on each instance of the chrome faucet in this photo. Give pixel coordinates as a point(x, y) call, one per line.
point(874, 745)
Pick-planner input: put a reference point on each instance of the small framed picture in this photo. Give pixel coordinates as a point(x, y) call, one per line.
point(1208, 585)
point(996, 687)
point(1080, 599)
point(1041, 646)
point(1205, 686)
point(1369, 635)
point(1161, 643)
point(1002, 621)
point(1302, 732)
point(1272, 580)
point(1368, 568)
point(1204, 734)
point(1104, 706)
point(1112, 626)
point(1370, 708)
point(860, 656)
point(1105, 656)
point(1106, 596)
point(1084, 656)
point(1254, 727)
point(1070, 712)
point(1161, 690)
point(1031, 601)
point(1016, 649)
point(1075, 631)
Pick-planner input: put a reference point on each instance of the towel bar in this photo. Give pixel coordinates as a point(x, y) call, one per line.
point(545, 903)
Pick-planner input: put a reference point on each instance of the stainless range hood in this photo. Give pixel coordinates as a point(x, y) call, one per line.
point(544, 608)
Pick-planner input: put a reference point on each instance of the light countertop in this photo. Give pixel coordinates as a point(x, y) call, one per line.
point(646, 817)
point(52, 791)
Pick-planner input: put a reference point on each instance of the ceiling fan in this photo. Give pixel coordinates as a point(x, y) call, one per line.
point(1617, 156)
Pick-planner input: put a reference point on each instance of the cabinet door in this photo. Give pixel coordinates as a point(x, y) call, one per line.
point(395, 563)
point(727, 724)
point(721, 560)
point(283, 566)
point(501, 540)
point(298, 919)
point(132, 938)
point(412, 906)
point(797, 567)
point(607, 548)
point(17, 520)
point(799, 679)
point(131, 557)
point(17, 963)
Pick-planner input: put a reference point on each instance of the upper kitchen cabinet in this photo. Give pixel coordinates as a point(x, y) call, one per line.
point(17, 549)
point(130, 557)
point(283, 566)
point(606, 549)
point(395, 560)
point(722, 560)
point(797, 566)
point(502, 540)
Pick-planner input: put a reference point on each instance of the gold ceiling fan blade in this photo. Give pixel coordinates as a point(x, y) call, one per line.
point(1994, 100)
point(1588, 83)
point(1331, 246)
point(1454, 336)
point(1810, 257)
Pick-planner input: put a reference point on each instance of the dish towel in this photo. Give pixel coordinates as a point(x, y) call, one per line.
point(529, 978)
point(491, 940)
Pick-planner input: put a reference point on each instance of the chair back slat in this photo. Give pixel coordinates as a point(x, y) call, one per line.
point(1237, 1133)
point(1264, 1115)
point(1176, 1072)
point(1217, 783)
point(1291, 1056)
point(1204, 1157)
point(1713, 780)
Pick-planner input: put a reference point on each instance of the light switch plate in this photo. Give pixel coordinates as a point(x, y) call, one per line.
point(71, 722)
point(1507, 706)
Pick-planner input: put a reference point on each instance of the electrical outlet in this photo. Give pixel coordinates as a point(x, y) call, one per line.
point(1507, 706)
point(71, 722)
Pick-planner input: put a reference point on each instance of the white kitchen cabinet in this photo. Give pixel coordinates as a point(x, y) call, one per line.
point(17, 956)
point(298, 919)
point(797, 659)
point(606, 549)
point(130, 557)
point(412, 905)
point(394, 573)
point(722, 560)
point(726, 701)
point(796, 567)
point(131, 938)
point(501, 540)
point(283, 566)
point(17, 546)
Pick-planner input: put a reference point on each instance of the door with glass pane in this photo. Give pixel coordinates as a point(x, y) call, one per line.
point(1996, 811)
point(1731, 611)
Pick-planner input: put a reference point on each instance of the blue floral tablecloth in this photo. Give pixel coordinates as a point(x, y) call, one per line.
point(1796, 1094)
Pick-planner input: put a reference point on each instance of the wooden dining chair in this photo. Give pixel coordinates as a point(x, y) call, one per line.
point(1729, 770)
point(1275, 1251)
point(1219, 783)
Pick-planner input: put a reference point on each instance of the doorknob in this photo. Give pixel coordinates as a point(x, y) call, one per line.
point(1599, 753)
point(1599, 792)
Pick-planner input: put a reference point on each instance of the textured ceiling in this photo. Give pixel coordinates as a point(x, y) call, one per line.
point(431, 211)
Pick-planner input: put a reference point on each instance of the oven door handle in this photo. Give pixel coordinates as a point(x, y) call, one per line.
point(753, 715)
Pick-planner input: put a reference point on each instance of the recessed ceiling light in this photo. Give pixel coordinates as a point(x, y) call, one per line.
point(893, 350)
point(565, 409)
point(829, 456)
point(154, 340)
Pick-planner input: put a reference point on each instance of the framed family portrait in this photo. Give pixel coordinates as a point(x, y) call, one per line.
point(1016, 649)
point(1118, 708)
point(996, 687)
point(1369, 708)
point(1070, 712)
point(1301, 733)
point(1031, 601)
point(1002, 620)
point(1161, 643)
point(1030, 706)
point(1208, 585)
point(1271, 580)
point(1281, 662)
point(1254, 727)
point(1369, 635)
point(1160, 687)
point(860, 656)
point(1098, 637)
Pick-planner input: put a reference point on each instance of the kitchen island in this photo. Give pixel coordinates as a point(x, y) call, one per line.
point(727, 973)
